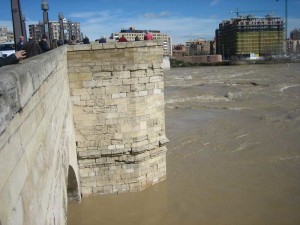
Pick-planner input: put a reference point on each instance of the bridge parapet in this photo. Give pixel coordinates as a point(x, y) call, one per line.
point(104, 100)
point(117, 90)
point(37, 141)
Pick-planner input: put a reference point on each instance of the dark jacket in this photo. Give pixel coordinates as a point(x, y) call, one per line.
point(20, 46)
point(12, 59)
point(102, 40)
point(44, 46)
point(32, 49)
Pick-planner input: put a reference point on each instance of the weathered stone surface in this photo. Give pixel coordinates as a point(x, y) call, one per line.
point(103, 100)
point(130, 112)
point(37, 141)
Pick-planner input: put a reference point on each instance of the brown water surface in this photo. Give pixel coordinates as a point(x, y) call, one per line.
point(233, 156)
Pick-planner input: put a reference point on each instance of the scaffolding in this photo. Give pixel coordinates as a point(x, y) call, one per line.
point(250, 34)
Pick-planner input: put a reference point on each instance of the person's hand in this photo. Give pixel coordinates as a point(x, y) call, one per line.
point(20, 54)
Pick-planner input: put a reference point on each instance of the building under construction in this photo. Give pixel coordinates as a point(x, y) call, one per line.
point(248, 34)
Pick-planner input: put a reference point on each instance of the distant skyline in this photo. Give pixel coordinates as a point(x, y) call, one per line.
point(181, 20)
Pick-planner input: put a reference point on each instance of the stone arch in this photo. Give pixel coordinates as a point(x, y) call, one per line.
point(72, 186)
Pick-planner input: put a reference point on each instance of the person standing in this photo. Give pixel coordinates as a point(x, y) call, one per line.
point(60, 42)
point(73, 40)
point(32, 48)
point(102, 40)
point(123, 39)
point(44, 45)
point(148, 36)
point(20, 43)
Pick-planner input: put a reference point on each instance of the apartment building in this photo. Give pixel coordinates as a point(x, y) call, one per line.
point(131, 33)
point(6, 35)
point(294, 42)
point(200, 47)
point(250, 34)
point(70, 28)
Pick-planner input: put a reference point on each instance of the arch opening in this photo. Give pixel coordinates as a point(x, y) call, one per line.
point(72, 187)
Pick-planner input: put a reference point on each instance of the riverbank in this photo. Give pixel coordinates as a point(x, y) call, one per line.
point(178, 63)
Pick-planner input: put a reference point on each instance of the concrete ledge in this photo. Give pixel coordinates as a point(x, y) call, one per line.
point(112, 45)
point(83, 47)
point(19, 82)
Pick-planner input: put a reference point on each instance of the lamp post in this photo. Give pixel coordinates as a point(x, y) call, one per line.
point(24, 28)
point(17, 19)
point(286, 20)
point(286, 24)
point(70, 29)
point(61, 26)
point(45, 8)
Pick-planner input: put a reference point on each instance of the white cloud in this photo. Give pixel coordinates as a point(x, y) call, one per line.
point(157, 15)
point(177, 27)
point(214, 2)
point(83, 15)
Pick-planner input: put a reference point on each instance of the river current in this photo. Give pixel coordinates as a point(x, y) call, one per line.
point(233, 156)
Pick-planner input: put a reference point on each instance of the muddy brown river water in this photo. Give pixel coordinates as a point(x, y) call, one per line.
point(233, 156)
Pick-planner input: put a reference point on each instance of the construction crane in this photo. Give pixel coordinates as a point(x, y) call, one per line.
point(238, 12)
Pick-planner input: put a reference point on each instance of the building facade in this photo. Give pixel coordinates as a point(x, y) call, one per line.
point(294, 42)
point(131, 33)
point(70, 28)
point(200, 47)
point(249, 34)
point(295, 34)
point(6, 35)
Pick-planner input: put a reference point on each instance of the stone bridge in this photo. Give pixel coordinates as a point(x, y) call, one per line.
point(76, 121)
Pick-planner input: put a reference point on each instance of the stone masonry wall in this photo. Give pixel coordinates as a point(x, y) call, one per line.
point(37, 139)
point(117, 91)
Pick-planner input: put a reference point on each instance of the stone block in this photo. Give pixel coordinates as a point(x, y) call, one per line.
point(138, 87)
point(139, 44)
point(121, 44)
point(138, 74)
point(130, 81)
point(85, 76)
point(155, 79)
point(102, 75)
point(97, 46)
point(119, 95)
point(143, 80)
point(124, 88)
point(110, 45)
point(82, 47)
point(112, 90)
point(121, 74)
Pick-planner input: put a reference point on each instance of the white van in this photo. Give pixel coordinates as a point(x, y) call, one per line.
point(7, 49)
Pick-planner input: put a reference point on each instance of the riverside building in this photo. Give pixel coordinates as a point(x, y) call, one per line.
point(200, 47)
point(249, 34)
point(294, 42)
point(131, 33)
point(70, 28)
point(6, 35)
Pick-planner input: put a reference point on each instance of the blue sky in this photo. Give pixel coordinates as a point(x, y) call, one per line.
point(182, 20)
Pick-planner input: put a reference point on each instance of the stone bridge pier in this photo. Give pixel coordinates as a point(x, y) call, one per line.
point(76, 121)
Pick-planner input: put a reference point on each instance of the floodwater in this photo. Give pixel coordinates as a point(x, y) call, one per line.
point(233, 156)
